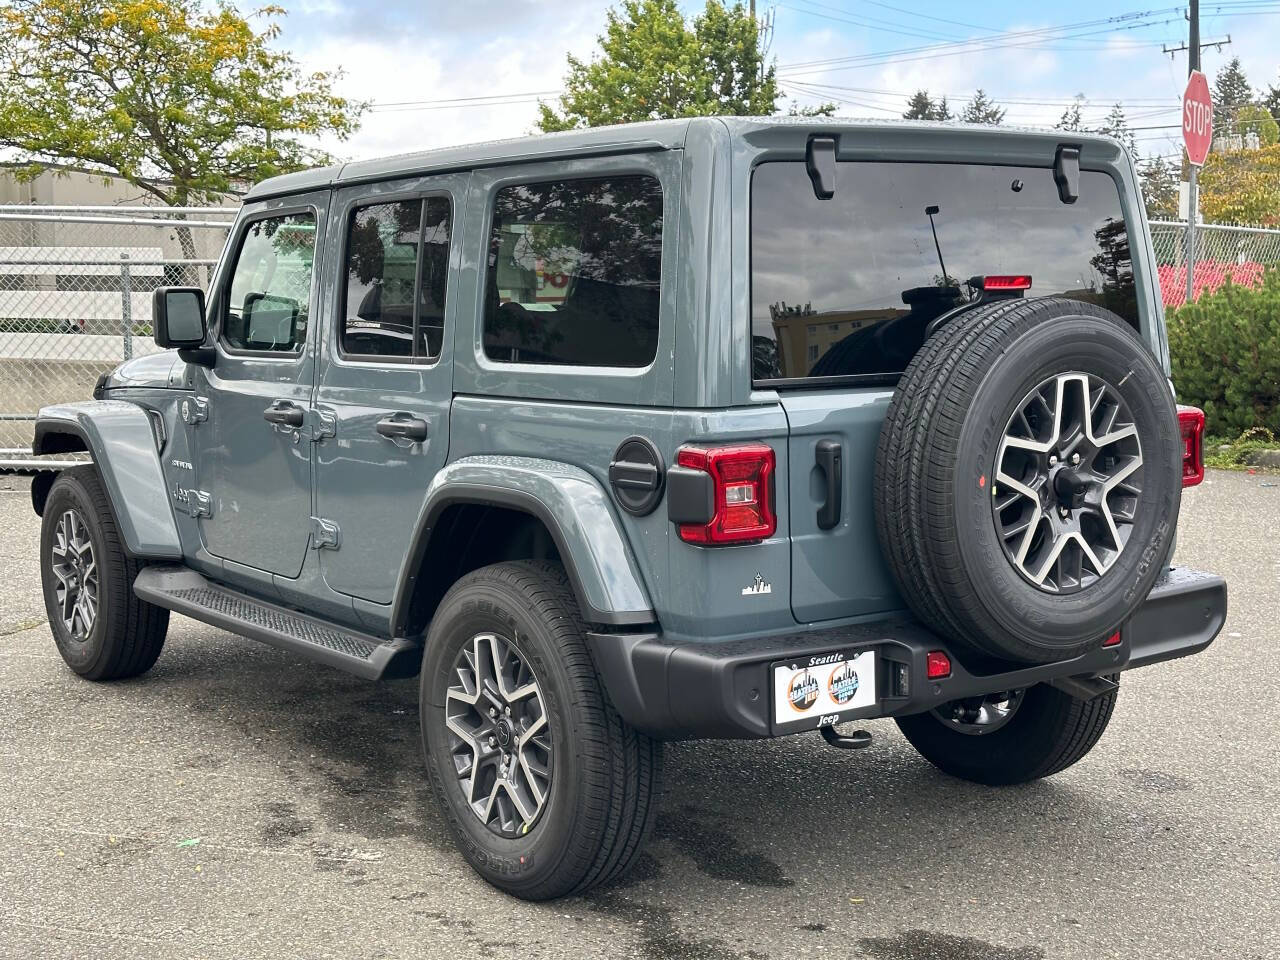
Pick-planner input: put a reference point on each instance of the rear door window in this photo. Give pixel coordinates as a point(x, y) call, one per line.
point(847, 286)
point(397, 264)
point(574, 272)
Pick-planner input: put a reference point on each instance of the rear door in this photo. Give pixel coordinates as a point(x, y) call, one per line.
point(843, 291)
point(386, 378)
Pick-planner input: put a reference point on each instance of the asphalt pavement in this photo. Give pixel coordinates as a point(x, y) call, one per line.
point(237, 802)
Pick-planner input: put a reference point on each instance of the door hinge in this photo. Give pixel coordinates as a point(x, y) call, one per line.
point(196, 503)
point(194, 410)
point(325, 534)
point(322, 425)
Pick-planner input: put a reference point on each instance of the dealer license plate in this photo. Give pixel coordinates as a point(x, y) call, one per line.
point(819, 690)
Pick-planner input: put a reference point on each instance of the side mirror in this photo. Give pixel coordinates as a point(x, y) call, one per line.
point(177, 317)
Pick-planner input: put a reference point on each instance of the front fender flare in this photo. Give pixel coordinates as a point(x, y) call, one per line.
point(575, 510)
point(118, 435)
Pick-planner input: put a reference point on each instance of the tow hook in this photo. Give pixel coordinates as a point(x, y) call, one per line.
point(854, 741)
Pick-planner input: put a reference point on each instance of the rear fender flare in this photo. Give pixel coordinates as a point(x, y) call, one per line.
point(119, 437)
point(573, 507)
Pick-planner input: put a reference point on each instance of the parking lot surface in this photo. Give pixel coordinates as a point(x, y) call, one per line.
point(237, 802)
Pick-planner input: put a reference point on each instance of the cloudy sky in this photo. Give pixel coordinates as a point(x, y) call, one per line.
point(453, 71)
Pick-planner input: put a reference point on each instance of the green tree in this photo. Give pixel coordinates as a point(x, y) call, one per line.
point(1272, 100)
point(1071, 119)
point(921, 106)
point(982, 109)
point(184, 101)
point(653, 64)
point(1255, 118)
point(1242, 186)
point(1231, 91)
point(1116, 125)
point(1160, 180)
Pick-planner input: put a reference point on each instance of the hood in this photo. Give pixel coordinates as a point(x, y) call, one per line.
point(164, 369)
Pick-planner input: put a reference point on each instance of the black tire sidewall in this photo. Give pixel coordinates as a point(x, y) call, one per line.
point(490, 607)
point(1036, 624)
point(86, 657)
point(1036, 741)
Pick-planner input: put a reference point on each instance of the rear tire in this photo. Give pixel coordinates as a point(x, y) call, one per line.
point(1047, 732)
point(101, 629)
point(584, 823)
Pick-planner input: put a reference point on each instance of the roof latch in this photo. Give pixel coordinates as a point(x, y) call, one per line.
point(820, 160)
point(1066, 172)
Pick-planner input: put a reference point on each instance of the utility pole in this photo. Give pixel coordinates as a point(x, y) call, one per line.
point(1193, 198)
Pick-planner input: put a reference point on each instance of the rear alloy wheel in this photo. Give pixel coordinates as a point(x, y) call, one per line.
point(547, 790)
point(1010, 737)
point(499, 734)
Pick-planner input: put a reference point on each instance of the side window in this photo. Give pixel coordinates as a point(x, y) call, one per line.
point(269, 298)
point(574, 272)
point(397, 269)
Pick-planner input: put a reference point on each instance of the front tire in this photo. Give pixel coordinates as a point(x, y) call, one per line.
point(101, 629)
point(547, 790)
point(1012, 737)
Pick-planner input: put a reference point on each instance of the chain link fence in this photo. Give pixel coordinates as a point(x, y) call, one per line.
point(1239, 253)
point(75, 297)
point(76, 284)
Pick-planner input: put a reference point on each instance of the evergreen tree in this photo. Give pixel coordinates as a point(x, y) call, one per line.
point(1071, 119)
point(1231, 91)
point(1272, 100)
point(982, 109)
point(1116, 125)
point(921, 106)
point(1160, 180)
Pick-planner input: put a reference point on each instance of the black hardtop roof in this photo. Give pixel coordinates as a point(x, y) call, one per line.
point(620, 138)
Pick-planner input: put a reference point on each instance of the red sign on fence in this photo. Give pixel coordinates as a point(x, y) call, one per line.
point(1197, 118)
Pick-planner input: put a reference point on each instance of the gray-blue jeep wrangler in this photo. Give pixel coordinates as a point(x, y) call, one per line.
point(700, 428)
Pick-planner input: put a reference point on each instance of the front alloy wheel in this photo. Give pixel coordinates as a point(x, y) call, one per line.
point(75, 569)
point(499, 735)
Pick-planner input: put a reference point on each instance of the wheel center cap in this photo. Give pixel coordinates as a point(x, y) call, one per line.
point(504, 733)
point(1071, 486)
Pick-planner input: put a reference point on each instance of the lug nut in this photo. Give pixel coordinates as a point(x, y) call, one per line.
point(1053, 461)
point(493, 741)
point(508, 711)
point(492, 713)
point(1075, 459)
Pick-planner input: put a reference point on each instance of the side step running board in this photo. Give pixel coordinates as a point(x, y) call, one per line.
point(184, 591)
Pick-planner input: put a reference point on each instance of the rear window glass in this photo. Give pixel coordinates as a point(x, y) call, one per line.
point(847, 286)
point(574, 270)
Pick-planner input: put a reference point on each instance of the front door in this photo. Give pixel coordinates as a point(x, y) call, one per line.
point(253, 453)
point(386, 376)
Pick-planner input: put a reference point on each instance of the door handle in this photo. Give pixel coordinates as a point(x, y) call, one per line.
point(830, 458)
point(284, 412)
point(401, 427)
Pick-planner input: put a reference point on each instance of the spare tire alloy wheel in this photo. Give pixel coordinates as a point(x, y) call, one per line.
point(499, 735)
point(1068, 482)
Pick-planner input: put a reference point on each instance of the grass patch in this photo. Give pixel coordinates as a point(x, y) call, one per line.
point(1250, 450)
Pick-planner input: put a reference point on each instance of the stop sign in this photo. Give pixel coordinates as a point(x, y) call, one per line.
point(1197, 118)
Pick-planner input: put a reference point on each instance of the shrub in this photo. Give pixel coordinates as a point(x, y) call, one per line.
point(1225, 354)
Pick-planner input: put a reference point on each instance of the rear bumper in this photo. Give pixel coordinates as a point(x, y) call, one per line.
point(723, 689)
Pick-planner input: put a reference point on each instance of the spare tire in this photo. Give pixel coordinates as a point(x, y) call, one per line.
point(1028, 479)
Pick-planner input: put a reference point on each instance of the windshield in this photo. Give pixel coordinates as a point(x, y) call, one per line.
point(847, 286)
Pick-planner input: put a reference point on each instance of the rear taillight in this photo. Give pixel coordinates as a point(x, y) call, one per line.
point(937, 665)
point(742, 485)
point(1014, 281)
point(1191, 423)
point(1113, 640)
